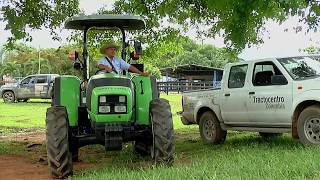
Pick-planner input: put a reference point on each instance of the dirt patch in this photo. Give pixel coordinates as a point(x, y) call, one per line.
point(33, 164)
point(38, 136)
point(13, 167)
point(21, 168)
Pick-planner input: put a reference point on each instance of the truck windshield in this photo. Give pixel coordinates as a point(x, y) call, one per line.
point(301, 67)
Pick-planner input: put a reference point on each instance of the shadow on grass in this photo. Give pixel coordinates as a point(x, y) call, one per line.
point(237, 141)
point(29, 102)
point(35, 102)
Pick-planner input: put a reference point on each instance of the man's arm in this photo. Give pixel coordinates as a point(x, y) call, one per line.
point(135, 70)
point(126, 66)
point(103, 66)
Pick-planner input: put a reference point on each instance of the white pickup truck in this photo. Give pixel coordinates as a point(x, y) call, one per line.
point(269, 96)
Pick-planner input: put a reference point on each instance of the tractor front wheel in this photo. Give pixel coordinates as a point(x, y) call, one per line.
point(162, 129)
point(59, 156)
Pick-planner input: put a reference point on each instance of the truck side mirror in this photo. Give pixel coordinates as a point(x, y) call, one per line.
point(138, 48)
point(76, 65)
point(134, 56)
point(278, 80)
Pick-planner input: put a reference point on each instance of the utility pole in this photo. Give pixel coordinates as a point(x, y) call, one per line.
point(39, 61)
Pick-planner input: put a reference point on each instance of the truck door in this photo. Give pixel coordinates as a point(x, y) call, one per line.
point(26, 87)
point(234, 96)
point(41, 87)
point(269, 104)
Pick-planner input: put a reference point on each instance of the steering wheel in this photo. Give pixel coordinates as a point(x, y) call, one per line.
point(99, 71)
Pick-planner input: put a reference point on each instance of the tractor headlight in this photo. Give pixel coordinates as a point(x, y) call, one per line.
point(122, 99)
point(102, 99)
point(104, 109)
point(120, 109)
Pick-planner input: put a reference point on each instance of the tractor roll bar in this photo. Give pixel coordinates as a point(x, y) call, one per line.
point(85, 52)
point(124, 45)
point(85, 56)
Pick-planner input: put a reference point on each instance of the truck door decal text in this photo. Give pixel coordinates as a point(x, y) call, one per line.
point(274, 102)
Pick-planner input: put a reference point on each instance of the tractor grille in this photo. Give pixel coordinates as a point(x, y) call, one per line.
point(112, 104)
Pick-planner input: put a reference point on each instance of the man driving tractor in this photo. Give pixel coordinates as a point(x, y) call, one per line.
point(110, 63)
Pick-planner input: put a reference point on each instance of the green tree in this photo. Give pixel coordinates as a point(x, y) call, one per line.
point(19, 15)
point(26, 60)
point(241, 21)
point(312, 50)
point(9, 68)
point(183, 50)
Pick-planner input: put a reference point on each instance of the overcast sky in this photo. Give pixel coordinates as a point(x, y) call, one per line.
point(279, 44)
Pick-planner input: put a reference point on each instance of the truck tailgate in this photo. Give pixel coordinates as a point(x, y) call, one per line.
point(193, 100)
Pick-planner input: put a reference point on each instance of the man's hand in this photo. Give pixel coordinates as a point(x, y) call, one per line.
point(107, 69)
point(135, 70)
point(145, 74)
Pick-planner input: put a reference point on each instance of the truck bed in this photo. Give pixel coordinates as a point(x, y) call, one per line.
point(196, 99)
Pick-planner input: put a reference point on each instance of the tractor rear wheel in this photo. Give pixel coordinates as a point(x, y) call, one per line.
point(162, 129)
point(59, 156)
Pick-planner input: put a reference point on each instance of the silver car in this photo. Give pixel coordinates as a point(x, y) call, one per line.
point(33, 86)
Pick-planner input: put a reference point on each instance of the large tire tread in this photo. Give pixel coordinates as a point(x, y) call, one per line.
point(59, 156)
point(163, 133)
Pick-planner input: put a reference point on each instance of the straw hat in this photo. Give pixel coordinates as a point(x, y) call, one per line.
point(108, 45)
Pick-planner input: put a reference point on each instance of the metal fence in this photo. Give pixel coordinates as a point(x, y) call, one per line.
point(181, 86)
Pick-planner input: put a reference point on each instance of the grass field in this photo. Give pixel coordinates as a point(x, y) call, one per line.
point(242, 156)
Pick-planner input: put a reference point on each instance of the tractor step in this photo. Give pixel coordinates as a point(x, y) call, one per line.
point(113, 136)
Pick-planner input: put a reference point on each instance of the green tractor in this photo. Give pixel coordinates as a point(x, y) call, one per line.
point(107, 109)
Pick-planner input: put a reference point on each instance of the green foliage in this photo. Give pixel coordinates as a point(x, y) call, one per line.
point(23, 60)
point(240, 21)
point(35, 14)
point(182, 50)
point(312, 50)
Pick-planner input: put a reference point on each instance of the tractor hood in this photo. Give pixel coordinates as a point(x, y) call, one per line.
point(126, 22)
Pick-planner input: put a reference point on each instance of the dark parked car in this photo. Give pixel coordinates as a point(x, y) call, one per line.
point(33, 86)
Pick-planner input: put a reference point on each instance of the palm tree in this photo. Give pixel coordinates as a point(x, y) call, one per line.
point(2, 51)
point(9, 68)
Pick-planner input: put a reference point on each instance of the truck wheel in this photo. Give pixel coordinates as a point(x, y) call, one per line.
point(59, 156)
point(309, 125)
point(210, 129)
point(269, 135)
point(162, 150)
point(8, 97)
